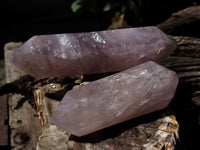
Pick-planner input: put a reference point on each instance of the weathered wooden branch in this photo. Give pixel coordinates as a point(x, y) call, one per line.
point(187, 46)
point(188, 70)
point(180, 18)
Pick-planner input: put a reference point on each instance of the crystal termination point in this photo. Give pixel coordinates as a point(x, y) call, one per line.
point(134, 92)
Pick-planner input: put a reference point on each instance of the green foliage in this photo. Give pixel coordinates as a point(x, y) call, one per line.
point(76, 5)
point(107, 7)
point(136, 12)
point(120, 5)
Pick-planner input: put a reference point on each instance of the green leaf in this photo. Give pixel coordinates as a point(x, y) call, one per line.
point(107, 7)
point(76, 5)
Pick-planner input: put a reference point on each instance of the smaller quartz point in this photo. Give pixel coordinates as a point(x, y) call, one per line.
point(134, 92)
point(70, 54)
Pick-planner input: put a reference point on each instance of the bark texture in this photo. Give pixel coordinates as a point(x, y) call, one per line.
point(180, 18)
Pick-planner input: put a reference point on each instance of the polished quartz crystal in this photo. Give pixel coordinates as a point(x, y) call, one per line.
point(93, 52)
point(131, 93)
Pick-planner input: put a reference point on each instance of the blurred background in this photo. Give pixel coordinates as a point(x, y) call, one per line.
point(21, 19)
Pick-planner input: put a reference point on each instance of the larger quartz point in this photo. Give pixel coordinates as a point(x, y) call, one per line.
point(93, 52)
point(134, 92)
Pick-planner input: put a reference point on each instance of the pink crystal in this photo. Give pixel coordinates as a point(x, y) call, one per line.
point(92, 52)
point(134, 92)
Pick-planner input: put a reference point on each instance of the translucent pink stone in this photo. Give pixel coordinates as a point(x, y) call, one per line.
point(92, 52)
point(134, 92)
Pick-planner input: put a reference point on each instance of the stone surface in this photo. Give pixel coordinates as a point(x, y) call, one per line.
point(3, 110)
point(2, 73)
point(92, 52)
point(23, 120)
point(134, 92)
point(3, 120)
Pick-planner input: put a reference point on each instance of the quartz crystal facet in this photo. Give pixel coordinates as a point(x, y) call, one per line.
point(131, 93)
point(93, 52)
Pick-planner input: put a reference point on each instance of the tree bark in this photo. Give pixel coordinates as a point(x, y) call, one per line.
point(180, 18)
point(187, 46)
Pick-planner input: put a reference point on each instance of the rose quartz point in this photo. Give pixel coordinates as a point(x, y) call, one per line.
point(92, 52)
point(134, 92)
